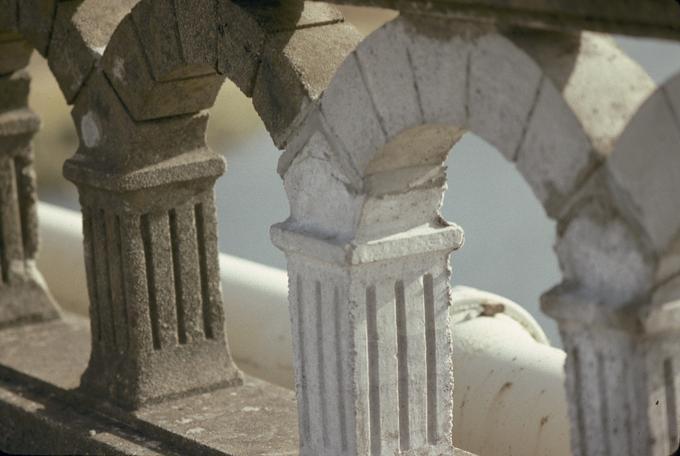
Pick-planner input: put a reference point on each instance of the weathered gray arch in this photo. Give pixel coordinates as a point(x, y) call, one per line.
point(145, 176)
point(364, 178)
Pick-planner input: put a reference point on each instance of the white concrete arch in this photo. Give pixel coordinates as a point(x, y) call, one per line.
point(551, 103)
point(645, 168)
point(365, 178)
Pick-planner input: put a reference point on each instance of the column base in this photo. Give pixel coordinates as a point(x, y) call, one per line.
point(26, 301)
point(39, 395)
point(134, 381)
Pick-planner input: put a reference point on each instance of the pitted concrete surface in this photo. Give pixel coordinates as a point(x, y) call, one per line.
point(40, 369)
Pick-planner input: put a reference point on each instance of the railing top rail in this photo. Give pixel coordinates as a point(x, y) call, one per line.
point(651, 18)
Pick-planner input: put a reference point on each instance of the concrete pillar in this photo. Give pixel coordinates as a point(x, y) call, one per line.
point(372, 342)
point(617, 306)
point(150, 231)
point(621, 378)
point(156, 305)
point(145, 174)
point(24, 297)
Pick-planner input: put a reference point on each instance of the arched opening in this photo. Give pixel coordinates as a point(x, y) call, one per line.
point(508, 238)
point(56, 140)
point(249, 198)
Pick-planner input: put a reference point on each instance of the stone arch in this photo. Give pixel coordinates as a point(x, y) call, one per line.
point(365, 180)
point(72, 36)
point(169, 58)
point(643, 172)
point(145, 176)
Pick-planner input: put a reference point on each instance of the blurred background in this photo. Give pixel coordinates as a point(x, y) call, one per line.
point(509, 239)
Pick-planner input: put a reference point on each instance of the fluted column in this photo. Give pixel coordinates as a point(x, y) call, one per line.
point(156, 306)
point(24, 297)
point(621, 375)
point(151, 255)
point(372, 342)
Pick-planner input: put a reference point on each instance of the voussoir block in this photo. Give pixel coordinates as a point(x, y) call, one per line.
point(503, 85)
point(645, 167)
point(163, 37)
point(439, 63)
point(82, 30)
point(239, 46)
point(555, 155)
point(351, 115)
point(8, 15)
point(387, 69)
point(36, 19)
point(146, 98)
point(245, 27)
point(296, 69)
point(197, 28)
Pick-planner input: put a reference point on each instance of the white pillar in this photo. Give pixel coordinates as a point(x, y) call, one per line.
point(372, 343)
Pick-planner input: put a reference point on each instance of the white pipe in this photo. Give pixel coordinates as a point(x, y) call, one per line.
point(261, 346)
point(509, 397)
point(258, 323)
point(60, 258)
point(509, 383)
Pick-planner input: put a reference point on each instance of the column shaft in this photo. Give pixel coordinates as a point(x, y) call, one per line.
point(373, 353)
point(156, 304)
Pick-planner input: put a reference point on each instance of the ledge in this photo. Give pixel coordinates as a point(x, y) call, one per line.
point(40, 368)
point(416, 241)
point(183, 168)
point(653, 18)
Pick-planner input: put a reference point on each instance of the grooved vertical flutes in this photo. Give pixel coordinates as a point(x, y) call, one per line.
point(373, 354)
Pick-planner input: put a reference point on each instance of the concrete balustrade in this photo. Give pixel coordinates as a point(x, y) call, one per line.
point(506, 348)
point(366, 128)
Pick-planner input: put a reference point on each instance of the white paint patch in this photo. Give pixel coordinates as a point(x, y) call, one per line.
point(89, 130)
point(197, 430)
point(119, 69)
point(251, 409)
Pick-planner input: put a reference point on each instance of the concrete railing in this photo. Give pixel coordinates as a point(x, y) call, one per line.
point(507, 349)
point(366, 127)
